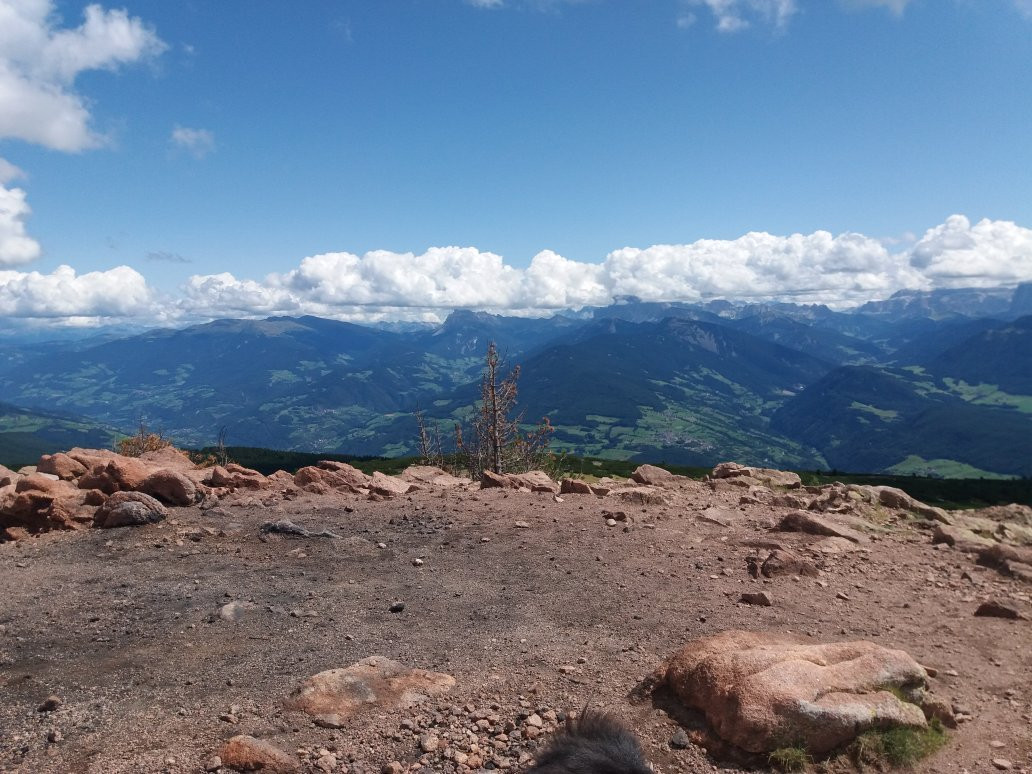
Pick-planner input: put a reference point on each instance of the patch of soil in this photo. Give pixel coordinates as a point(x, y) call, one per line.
point(536, 607)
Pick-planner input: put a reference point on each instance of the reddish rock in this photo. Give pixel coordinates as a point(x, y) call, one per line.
point(962, 539)
point(757, 689)
point(372, 683)
point(804, 521)
point(431, 476)
point(14, 533)
point(574, 486)
point(61, 465)
point(236, 476)
point(389, 486)
point(333, 475)
point(743, 475)
point(650, 475)
point(171, 487)
point(37, 482)
point(129, 509)
point(491, 480)
point(641, 495)
point(785, 562)
point(760, 598)
point(245, 753)
point(8, 476)
point(996, 609)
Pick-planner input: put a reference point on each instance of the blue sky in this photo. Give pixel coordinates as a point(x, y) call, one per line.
point(228, 141)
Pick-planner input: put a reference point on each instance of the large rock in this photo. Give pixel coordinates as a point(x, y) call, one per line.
point(129, 509)
point(118, 474)
point(960, 538)
point(759, 689)
point(743, 475)
point(650, 475)
point(389, 486)
point(236, 476)
point(374, 682)
point(245, 753)
point(804, 521)
point(61, 465)
point(8, 476)
point(431, 476)
point(171, 487)
point(333, 475)
point(39, 482)
point(574, 486)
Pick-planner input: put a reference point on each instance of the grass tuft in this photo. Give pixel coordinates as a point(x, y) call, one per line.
point(789, 759)
point(899, 746)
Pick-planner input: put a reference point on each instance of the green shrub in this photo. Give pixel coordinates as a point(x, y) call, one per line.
point(789, 759)
point(899, 746)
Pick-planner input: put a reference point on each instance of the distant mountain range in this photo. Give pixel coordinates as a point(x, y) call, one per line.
point(937, 382)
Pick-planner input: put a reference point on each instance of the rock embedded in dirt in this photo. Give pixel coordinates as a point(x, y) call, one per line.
point(129, 509)
point(574, 486)
point(782, 561)
point(758, 688)
point(996, 609)
point(804, 521)
point(50, 704)
point(245, 753)
point(374, 682)
point(761, 598)
point(960, 538)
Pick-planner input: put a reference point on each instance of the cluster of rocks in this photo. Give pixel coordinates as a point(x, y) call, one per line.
point(443, 735)
point(95, 487)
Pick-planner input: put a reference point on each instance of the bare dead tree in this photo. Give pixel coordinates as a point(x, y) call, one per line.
point(430, 452)
point(495, 441)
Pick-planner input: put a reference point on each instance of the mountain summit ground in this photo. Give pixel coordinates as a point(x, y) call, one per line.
point(357, 624)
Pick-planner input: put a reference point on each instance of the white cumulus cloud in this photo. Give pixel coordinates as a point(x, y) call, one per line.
point(986, 254)
point(117, 293)
point(16, 246)
point(39, 62)
point(839, 270)
point(736, 15)
point(197, 142)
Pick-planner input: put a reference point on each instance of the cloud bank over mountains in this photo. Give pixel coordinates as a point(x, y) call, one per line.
point(840, 271)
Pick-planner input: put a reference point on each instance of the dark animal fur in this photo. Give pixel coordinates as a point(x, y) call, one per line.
point(594, 743)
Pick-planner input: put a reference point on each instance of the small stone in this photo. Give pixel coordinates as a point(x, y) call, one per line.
point(761, 598)
point(214, 763)
point(1003, 764)
point(381, 546)
point(997, 744)
point(50, 704)
point(229, 717)
point(429, 743)
point(610, 522)
point(680, 740)
point(535, 721)
point(417, 562)
point(397, 607)
point(842, 595)
point(392, 768)
point(522, 525)
point(54, 736)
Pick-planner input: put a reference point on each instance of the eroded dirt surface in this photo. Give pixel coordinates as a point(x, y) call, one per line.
point(123, 625)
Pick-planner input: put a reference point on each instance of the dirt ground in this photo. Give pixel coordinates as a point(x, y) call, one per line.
point(539, 617)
